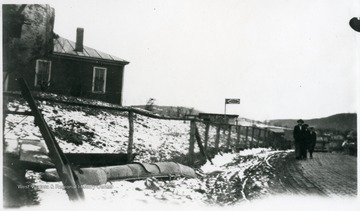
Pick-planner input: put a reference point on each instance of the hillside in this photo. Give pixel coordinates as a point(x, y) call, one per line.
point(80, 129)
point(339, 122)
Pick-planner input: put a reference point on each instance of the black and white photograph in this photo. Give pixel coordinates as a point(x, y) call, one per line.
point(180, 104)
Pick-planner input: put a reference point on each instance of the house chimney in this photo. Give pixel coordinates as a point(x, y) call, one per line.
point(79, 39)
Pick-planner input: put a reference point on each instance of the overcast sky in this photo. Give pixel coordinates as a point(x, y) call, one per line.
point(282, 58)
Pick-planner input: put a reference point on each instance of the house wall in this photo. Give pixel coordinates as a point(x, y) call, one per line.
point(70, 77)
point(75, 78)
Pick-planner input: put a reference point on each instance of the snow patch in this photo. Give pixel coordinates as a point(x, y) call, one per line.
point(29, 147)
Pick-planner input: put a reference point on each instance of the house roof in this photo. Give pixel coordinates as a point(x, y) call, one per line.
point(66, 47)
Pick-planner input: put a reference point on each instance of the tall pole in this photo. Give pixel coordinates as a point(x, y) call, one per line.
point(192, 141)
point(131, 136)
point(225, 113)
point(62, 165)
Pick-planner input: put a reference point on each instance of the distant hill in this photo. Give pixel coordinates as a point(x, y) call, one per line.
point(339, 122)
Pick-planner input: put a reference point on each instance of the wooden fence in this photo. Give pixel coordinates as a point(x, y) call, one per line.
point(245, 136)
point(224, 137)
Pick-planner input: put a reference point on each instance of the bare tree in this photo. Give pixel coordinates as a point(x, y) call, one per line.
point(191, 110)
point(179, 111)
point(150, 104)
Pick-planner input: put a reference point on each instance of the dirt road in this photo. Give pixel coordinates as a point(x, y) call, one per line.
point(327, 174)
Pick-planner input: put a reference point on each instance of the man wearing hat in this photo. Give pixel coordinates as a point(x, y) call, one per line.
point(312, 141)
point(298, 137)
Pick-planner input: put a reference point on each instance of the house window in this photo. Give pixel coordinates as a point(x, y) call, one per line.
point(43, 72)
point(99, 80)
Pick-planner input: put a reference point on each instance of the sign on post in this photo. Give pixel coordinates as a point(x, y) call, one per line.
point(231, 101)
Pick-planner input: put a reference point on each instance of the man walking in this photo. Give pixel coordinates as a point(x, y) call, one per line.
point(305, 143)
point(298, 137)
point(312, 141)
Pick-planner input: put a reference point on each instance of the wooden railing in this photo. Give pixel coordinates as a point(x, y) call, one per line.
point(246, 136)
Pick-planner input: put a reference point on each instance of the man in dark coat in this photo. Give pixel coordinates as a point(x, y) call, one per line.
point(312, 142)
point(298, 137)
point(306, 140)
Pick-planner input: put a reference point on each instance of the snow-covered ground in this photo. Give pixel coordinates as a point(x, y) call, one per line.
point(80, 129)
point(220, 183)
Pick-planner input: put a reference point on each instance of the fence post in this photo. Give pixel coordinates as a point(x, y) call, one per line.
point(192, 141)
point(274, 140)
point(252, 137)
point(131, 136)
point(228, 138)
point(217, 138)
point(246, 136)
point(265, 138)
point(269, 138)
point(258, 138)
point(238, 130)
point(207, 126)
point(198, 140)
